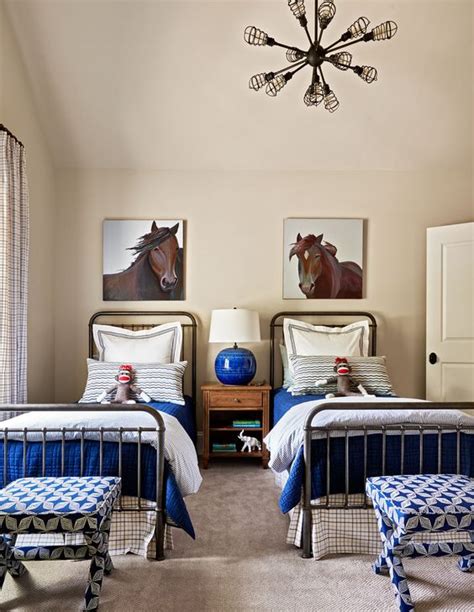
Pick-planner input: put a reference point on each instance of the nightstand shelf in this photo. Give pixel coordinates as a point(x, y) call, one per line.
point(237, 429)
point(225, 404)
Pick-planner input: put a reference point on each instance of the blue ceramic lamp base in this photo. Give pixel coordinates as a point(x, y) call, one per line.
point(235, 366)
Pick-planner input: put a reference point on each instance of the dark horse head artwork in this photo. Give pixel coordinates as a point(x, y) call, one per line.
point(321, 274)
point(156, 273)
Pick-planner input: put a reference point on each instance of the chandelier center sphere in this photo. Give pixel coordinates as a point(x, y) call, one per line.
point(315, 56)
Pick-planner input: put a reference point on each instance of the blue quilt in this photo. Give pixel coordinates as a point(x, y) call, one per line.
point(186, 414)
point(174, 503)
point(283, 401)
point(291, 494)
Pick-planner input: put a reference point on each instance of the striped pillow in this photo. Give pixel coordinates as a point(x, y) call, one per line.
point(162, 382)
point(370, 372)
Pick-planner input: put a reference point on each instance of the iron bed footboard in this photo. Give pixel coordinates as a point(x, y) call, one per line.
point(345, 431)
point(98, 433)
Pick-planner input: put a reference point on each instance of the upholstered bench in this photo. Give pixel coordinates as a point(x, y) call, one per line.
point(59, 505)
point(427, 504)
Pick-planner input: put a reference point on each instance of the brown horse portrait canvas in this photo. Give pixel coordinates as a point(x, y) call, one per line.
point(323, 259)
point(143, 260)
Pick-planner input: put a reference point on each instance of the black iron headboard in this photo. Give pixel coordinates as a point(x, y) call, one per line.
point(277, 323)
point(154, 317)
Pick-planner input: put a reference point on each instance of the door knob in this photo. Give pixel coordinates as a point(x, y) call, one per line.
point(433, 358)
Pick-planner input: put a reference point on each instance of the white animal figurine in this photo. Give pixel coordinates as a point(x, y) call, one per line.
point(249, 442)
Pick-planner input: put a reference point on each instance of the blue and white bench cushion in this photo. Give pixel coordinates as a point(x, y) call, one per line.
point(46, 505)
point(423, 503)
point(81, 505)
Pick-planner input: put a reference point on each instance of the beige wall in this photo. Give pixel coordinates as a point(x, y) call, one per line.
point(18, 113)
point(234, 250)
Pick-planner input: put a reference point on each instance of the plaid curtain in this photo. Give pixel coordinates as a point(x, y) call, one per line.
point(14, 244)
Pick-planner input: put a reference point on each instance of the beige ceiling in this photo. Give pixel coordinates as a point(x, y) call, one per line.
point(163, 85)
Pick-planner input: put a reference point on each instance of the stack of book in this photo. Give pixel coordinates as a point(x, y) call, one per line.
point(246, 424)
point(224, 448)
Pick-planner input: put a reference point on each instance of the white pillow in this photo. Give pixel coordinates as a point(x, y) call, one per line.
point(162, 381)
point(305, 339)
point(161, 344)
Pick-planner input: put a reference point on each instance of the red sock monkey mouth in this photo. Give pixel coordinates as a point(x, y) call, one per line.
point(124, 378)
point(342, 370)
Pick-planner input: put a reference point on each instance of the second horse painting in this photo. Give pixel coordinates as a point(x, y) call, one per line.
point(323, 258)
point(143, 260)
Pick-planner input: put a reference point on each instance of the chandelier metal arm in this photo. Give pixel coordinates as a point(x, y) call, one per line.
point(349, 44)
point(305, 63)
point(316, 20)
point(329, 48)
point(277, 44)
point(308, 34)
point(298, 65)
point(322, 76)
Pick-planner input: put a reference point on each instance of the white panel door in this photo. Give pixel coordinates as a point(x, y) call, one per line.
point(450, 313)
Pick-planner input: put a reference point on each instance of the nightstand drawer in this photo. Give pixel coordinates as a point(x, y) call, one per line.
point(240, 399)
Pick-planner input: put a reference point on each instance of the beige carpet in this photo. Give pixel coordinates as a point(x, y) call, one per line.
point(239, 562)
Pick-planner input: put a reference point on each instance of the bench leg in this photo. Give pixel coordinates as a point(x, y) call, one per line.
point(467, 563)
point(400, 583)
point(8, 563)
point(98, 543)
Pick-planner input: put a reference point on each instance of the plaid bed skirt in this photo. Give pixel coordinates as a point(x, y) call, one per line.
point(339, 531)
point(131, 532)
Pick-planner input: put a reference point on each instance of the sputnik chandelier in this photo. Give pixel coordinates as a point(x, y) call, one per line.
point(318, 56)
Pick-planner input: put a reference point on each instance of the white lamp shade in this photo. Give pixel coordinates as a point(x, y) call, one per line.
point(234, 325)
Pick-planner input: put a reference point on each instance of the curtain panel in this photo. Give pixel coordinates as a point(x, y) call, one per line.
point(14, 247)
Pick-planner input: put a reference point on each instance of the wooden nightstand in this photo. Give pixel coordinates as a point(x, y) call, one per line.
point(224, 404)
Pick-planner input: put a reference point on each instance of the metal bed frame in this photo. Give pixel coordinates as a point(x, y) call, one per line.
point(87, 433)
point(402, 429)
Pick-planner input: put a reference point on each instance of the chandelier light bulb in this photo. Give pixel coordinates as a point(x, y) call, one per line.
point(341, 60)
point(255, 36)
point(358, 28)
point(297, 7)
point(384, 31)
point(314, 95)
point(326, 12)
point(331, 103)
point(366, 73)
point(277, 84)
point(294, 55)
point(257, 81)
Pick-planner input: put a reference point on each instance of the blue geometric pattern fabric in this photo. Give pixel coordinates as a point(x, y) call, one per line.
point(56, 504)
point(423, 503)
point(65, 505)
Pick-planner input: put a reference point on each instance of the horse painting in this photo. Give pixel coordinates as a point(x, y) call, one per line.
point(321, 275)
point(156, 272)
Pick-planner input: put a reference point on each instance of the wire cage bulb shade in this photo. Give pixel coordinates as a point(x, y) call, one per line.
point(314, 95)
point(358, 28)
point(326, 12)
point(297, 7)
point(255, 36)
point(257, 81)
point(384, 31)
point(341, 60)
point(366, 73)
point(276, 85)
point(294, 55)
point(331, 103)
